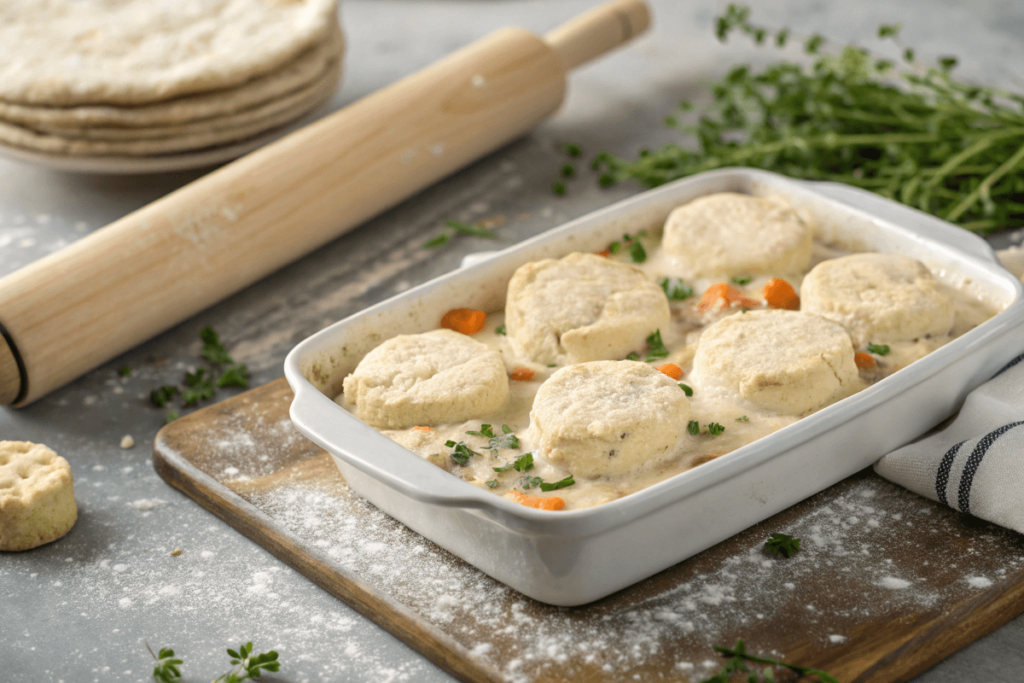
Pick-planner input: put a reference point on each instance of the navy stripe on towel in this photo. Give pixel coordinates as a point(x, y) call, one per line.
point(944, 467)
point(1009, 365)
point(973, 462)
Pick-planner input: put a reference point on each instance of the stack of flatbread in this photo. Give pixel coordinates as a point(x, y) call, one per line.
point(138, 78)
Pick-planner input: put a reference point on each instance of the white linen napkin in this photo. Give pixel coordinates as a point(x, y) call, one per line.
point(975, 464)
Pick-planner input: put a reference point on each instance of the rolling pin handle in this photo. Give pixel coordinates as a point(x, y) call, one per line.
point(602, 29)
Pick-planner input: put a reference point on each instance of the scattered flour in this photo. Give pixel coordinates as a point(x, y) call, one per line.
point(978, 582)
point(147, 504)
point(893, 583)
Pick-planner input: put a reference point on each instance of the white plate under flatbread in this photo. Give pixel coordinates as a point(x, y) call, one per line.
point(61, 53)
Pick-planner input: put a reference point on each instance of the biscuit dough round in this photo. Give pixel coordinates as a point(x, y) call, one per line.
point(37, 496)
point(608, 417)
point(788, 362)
point(427, 379)
point(729, 234)
point(581, 308)
point(878, 297)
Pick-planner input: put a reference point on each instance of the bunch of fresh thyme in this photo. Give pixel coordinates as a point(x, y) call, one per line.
point(914, 134)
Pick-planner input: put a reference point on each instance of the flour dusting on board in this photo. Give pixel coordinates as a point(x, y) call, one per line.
point(860, 535)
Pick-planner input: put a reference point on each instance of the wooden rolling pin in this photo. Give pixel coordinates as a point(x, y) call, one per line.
point(73, 310)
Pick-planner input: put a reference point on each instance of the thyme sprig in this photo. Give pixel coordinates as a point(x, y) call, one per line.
point(913, 134)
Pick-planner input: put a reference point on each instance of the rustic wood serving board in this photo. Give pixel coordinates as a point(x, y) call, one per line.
point(886, 584)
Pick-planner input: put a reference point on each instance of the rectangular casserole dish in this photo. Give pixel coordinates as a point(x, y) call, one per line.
point(575, 557)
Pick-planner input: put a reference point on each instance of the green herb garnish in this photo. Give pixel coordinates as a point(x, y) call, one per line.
point(492, 483)
point(916, 135)
point(568, 170)
point(247, 665)
point(693, 427)
point(485, 430)
point(160, 397)
point(655, 347)
point(531, 482)
point(742, 280)
point(172, 416)
point(500, 330)
point(235, 376)
point(461, 453)
point(675, 290)
point(714, 429)
point(125, 371)
point(632, 356)
point(558, 187)
point(686, 389)
point(200, 387)
point(166, 669)
point(560, 484)
point(552, 365)
point(213, 350)
point(879, 349)
point(637, 254)
point(522, 464)
point(438, 240)
point(737, 663)
point(614, 247)
point(457, 228)
point(741, 418)
point(571, 149)
point(782, 544)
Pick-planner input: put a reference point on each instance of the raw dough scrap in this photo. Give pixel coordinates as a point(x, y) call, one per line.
point(37, 496)
point(581, 308)
point(427, 379)
point(788, 362)
point(735, 234)
point(878, 297)
point(608, 417)
point(141, 51)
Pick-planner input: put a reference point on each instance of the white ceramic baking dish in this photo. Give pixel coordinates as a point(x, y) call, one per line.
point(574, 557)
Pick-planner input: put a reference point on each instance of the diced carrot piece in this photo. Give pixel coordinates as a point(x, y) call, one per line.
point(780, 294)
point(539, 502)
point(606, 253)
point(521, 374)
point(422, 429)
point(672, 370)
point(724, 295)
point(864, 361)
point(464, 320)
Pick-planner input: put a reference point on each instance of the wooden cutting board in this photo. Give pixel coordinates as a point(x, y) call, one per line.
point(886, 584)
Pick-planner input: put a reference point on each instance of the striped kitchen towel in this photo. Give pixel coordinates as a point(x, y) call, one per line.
point(974, 464)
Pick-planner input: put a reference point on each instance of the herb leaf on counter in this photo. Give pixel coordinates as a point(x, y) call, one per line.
point(160, 397)
point(916, 134)
point(782, 544)
point(213, 350)
point(200, 387)
point(166, 669)
point(453, 228)
point(738, 658)
point(249, 666)
point(235, 376)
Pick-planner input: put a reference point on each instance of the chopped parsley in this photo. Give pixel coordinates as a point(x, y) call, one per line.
point(693, 427)
point(461, 453)
point(522, 464)
point(879, 349)
point(500, 330)
point(531, 482)
point(558, 187)
point(714, 429)
point(492, 483)
point(213, 350)
point(614, 247)
point(782, 544)
point(686, 389)
point(200, 387)
point(675, 290)
point(485, 430)
point(632, 356)
point(504, 440)
point(437, 240)
point(571, 149)
point(160, 397)
point(552, 365)
point(742, 280)
point(560, 484)
point(172, 416)
point(568, 170)
point(235, 376)
point(125, 371)
point(742, 418)
point(656, 348)
point(637, 253)
point(453, 228)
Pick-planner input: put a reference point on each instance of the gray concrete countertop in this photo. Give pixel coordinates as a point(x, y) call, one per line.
point(81, 608)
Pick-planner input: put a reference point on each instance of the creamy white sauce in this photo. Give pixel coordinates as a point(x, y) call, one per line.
point(743, 423)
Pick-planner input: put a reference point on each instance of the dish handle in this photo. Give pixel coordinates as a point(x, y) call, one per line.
point(325, 423)
point(906, 217)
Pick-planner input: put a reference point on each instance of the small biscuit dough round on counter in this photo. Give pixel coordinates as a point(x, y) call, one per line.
point(608, 417)
point(37, 495)
point(735, 234)
point(788, 362)
point(581, 308)
point(425, 379)
point(878, 297)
